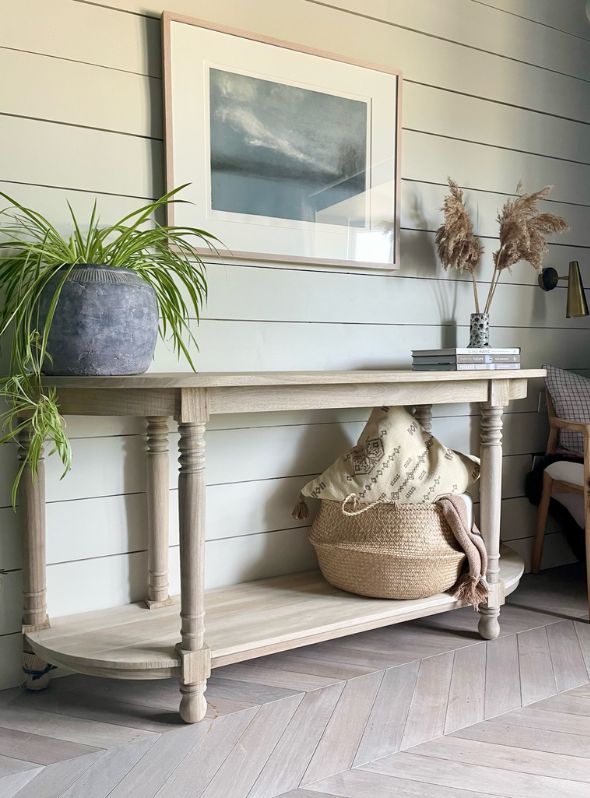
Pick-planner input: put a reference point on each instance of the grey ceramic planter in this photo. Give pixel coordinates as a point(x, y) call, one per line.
point(105, 323)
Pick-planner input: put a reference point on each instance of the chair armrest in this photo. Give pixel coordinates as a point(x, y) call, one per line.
point(570, 426)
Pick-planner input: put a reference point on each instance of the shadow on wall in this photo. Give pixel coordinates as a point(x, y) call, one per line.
point(421, 250)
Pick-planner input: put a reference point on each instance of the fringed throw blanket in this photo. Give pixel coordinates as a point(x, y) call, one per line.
point(471, 586)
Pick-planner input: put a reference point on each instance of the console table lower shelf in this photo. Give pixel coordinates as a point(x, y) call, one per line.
point(243, 622)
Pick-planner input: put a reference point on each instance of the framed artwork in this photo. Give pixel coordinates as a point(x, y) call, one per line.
point(291, 154)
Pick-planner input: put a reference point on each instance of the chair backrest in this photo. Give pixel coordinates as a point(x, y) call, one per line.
point(553, 439)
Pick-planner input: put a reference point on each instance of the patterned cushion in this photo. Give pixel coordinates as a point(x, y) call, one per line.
point(571, 398)
point(395, 459)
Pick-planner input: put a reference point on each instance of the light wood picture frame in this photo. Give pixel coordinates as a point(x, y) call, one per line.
point(290, 154)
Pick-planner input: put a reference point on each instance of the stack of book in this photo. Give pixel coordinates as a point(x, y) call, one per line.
point(485, 359)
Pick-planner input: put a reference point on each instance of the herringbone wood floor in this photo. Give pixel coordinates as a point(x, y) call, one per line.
point(415, 709)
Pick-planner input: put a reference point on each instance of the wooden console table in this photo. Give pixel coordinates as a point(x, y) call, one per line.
point(218, 627)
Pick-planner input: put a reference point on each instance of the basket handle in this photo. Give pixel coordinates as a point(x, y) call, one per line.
point(354, 498)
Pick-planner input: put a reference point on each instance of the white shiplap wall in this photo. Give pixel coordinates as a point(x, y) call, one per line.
point(494, 91)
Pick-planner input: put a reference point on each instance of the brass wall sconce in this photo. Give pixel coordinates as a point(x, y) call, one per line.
point(576, 298)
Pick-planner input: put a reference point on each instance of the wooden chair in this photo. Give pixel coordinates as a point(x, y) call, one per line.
point(554, 481)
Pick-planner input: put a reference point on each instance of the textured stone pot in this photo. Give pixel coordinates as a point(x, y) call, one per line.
point(479, 330)
point(105, 323)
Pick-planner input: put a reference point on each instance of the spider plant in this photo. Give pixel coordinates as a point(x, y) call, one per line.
point(33, 251)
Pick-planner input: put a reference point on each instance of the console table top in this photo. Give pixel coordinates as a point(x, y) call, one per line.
point(275, 378)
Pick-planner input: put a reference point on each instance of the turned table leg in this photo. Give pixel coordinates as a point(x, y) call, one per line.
point(158, 492)
point(195, 657)
point(32, 501)
point(490, 509)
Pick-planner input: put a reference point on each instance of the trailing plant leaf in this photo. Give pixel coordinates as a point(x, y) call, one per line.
point(33, 252)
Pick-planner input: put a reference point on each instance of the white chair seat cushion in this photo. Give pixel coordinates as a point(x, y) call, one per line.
point(566, 471)
point(574, 474)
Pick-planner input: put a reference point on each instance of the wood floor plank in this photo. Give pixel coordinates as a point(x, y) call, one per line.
point(159, 693)
point(154, 768)
point(505, 757)
point(196, 770)
point(239, 771)
point(37, 748)
point(502, 733)
point(565, 703)
point(273, 677)
point(367, 784)
point(54, 780)
point(467, 691)
point(77, 730)
point(299, 663)
point(246, 692)
point(568, 663)
point(426, 717)
point(288, 762)
point(583, 691)
point(502, 676)
point(548, 720)
point(101, 778)
point(107, 710)
point(306, 794)
point(537, 680)
point(340, 741)
point(583, 633)
point(385, 727)
point(13, 784)
point(350, 655)
point(479, 778)
point(10, 765)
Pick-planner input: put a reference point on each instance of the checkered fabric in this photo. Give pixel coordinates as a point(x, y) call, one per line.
point(571, 397)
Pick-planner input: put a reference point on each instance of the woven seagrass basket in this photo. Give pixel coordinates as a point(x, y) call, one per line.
point(396, 551)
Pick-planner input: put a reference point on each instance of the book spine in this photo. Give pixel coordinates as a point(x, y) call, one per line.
point(486, 350)
point(451, 359)
point(467, 367)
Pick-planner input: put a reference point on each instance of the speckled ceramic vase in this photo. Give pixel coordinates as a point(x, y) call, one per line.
point(479, 330)
point(105, 323)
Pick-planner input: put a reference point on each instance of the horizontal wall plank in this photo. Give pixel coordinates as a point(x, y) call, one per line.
point(83, 32)
point(454, 114)
point(112, 466)
point(255, 346)
point(131, 103)
point(104, 162)
point(555, 551)
point(422, 210)
point(120, 579)
point(448, 65)
point(432, 158)
point(89, 96)
point(117, 524)
point(567, 15)
point(79, 158)
point(479, 26)
point(282, 295)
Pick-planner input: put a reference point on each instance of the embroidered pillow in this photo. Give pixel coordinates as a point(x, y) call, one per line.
point(571, 398)
point(395, 460)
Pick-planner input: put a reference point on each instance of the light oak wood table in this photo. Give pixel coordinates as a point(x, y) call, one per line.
point(218, 627)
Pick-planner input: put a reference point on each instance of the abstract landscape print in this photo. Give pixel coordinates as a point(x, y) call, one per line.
point(287, 152)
